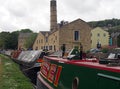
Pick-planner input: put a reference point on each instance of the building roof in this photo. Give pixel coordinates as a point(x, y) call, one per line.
point(44, 32)
point(62, 25)
point(77, 20)
point(99, 29)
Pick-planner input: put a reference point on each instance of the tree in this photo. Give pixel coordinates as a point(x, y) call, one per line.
point(105, 23)
point(4, 39)
point(1, 44)
point(10, 40)
point(13, 40)
point(26, 31)
point(30, 41)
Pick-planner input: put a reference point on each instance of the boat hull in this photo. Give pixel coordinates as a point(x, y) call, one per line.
point(77, 75)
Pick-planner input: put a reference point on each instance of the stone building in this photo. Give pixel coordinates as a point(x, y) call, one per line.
point(99, 35)
point(114, 36)
point(22, 39)
point(69, 33)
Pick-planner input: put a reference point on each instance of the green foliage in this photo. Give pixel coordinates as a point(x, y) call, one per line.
point(10, 40)
point(105, 23)
point(114, 29)
point(1, 43)
point(26, 31)
point(30, 41)
point(4, 39)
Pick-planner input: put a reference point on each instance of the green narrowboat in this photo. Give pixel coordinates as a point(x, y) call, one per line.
point(61, 73)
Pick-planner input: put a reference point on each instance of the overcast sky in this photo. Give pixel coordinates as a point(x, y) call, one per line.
point(35, 14)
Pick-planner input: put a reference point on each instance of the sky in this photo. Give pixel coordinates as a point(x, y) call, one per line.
point(35, 14)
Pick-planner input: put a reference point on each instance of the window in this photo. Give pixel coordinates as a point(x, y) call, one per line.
point(104, 35)
point(41, 40)
point(98, 34)
point(46, 39)
point(91, 41)
point(36, 48)
point(41, 47)
point(55, 37)
point(50, 47)
point(76, 35)
point(54, 48)
point(37, 41)
point(46, 47)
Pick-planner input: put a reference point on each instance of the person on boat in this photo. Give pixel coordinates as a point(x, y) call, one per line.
point(98, 45)
point(81, 51)
point(63, 50)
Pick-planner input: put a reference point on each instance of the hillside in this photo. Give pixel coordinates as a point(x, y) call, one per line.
point(112, 24)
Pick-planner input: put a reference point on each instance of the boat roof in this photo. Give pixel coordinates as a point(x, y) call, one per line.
point(91, 63)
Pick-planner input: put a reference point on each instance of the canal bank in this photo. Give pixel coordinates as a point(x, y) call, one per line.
point(10, 75)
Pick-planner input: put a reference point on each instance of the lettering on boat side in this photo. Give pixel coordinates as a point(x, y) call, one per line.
point(51, 72)
point(45, 69)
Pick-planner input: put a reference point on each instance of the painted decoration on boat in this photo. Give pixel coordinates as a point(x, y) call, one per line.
point(51, 72)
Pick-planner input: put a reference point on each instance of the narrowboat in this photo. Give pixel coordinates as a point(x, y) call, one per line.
point(75, 73)
point(29, 61)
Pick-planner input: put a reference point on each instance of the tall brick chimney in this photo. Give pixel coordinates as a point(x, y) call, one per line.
point(53, 15)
